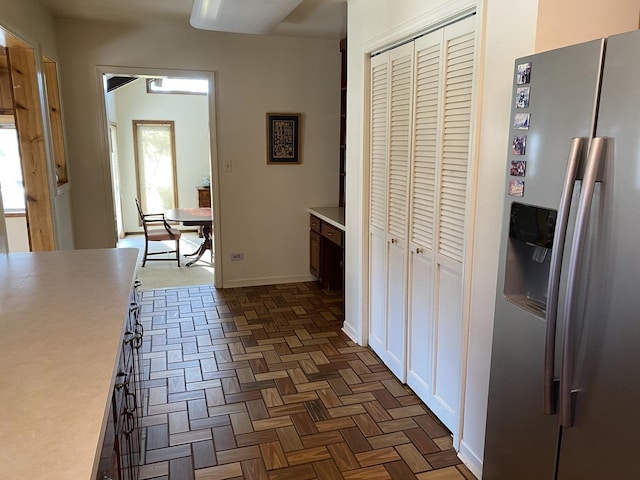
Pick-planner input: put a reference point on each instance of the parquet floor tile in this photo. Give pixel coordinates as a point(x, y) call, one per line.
point(261, 383)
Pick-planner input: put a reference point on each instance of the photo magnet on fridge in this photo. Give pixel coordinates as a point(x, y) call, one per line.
point(522, 97)
point(521, 121)
point(519, 145)
point(518, 168)
point(516, 188)
point(523, 73)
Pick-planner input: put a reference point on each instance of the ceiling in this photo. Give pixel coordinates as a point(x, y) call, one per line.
point(310, 19)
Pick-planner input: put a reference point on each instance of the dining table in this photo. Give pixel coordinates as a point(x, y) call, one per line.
point(195, 217)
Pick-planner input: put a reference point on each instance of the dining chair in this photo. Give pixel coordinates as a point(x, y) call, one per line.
point(157, 234)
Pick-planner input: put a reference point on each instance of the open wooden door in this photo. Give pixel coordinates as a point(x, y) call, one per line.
point(21, 75)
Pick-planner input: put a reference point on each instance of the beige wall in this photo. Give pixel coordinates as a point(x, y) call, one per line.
point(30, 22)
point(567, 22)
point(263, 208)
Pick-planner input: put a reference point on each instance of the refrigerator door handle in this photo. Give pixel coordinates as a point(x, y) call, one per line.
point(594, 160)
point(576, 153)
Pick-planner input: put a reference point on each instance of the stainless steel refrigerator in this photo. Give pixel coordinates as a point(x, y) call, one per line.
point(564, 390)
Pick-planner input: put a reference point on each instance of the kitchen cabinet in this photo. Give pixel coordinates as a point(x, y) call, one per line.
point(64, 318)
point(121, 446)
point(314, 247)
point(326, 246)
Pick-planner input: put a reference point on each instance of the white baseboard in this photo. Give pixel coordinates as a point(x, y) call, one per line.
point(351, 333)
point(255, 282)
point(470, 459)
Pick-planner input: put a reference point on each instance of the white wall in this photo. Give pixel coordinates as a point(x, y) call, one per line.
point(191, 116)
point(263, 207)
point(504, 41)
point(17, 235)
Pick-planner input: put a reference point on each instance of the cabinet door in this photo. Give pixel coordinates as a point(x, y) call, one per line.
point(108, 466)
point(314, 254)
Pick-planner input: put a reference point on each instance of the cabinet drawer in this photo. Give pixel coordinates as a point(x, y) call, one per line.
point(314, 223)
point(332, 233)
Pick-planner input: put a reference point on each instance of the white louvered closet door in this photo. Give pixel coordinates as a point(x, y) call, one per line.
point(452, 220)
point(379, 142)
point(400, 112)
point(421, 109)
point(422, 224)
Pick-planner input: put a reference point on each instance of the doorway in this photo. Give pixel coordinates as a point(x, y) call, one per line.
point(162, 137)
point(28, 209)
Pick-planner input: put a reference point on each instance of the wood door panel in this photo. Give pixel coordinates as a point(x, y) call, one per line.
point(30, 129)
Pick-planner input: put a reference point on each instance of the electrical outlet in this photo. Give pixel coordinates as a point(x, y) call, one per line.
point(236, 257)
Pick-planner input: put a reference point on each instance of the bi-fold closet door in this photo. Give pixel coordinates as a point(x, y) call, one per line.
point(421, 102)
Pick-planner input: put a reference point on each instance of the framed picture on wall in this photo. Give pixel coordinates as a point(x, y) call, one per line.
point(283, 138)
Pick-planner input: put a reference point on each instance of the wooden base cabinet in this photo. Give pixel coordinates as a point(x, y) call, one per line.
point(326, 253)
point(121, 447)
point(314, 253)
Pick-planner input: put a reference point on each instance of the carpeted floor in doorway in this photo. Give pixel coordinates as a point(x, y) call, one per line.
point(166, 274)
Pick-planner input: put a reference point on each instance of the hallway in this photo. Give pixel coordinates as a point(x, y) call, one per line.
point(260, 383)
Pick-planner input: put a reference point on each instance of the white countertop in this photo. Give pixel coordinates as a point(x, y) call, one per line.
point(62, 316)
point(332, 215)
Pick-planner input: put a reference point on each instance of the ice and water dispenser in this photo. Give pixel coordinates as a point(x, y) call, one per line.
point(528, 253)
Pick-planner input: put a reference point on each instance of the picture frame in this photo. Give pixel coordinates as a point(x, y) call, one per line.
point(283, 138)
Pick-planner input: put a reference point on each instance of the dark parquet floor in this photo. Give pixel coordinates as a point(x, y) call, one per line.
point(260, 383)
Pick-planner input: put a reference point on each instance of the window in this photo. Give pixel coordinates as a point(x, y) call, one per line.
point(194, 86)
point(11, 171)
point(155, 164)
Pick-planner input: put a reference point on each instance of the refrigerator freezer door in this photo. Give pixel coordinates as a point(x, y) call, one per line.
point(521, 441)
point(603, 443)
